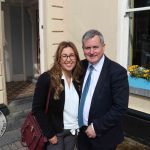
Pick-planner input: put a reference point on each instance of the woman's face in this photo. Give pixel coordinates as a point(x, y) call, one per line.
point(67, 59)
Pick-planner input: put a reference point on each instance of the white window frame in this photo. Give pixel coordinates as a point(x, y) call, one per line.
point(123, 31)
point(123, 38)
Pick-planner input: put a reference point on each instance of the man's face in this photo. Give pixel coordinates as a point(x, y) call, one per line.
point(93, 49)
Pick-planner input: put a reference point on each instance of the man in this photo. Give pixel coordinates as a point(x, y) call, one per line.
point(105, 100)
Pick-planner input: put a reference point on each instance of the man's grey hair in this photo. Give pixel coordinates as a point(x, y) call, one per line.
point(90, 34)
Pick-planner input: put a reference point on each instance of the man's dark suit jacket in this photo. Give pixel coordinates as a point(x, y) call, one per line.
point(109, 103)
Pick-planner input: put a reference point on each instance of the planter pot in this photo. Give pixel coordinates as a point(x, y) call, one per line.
point(139, 83)
point(139, 86)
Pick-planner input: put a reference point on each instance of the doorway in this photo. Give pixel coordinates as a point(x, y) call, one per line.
point(20, 42)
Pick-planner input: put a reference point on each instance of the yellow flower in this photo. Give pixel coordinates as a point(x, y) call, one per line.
point(145, 75)
point(139, 72)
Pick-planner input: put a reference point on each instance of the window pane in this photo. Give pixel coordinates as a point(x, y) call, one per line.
point(138, 3)
point(139, 48)
point(139, 45)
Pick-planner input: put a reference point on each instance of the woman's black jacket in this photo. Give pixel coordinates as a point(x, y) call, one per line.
point(52, 122)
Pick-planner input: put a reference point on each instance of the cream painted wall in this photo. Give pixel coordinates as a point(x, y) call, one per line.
point(54, 28)
point(86, 14)
point(139, 103)
point(77, 17)
point(2, 76)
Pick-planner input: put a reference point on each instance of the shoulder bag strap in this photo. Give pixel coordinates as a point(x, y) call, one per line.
point(48, 98)
point(47, 101)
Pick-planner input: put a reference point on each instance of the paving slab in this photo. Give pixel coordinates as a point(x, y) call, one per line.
point(10, 137)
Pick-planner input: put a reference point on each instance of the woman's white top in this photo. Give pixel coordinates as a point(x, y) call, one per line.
point(70, 113)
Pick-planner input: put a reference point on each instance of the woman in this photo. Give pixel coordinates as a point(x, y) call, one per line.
point(60, 124)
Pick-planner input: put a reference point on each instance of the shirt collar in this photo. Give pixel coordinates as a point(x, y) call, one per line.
point(99, 64)
point(63, 77)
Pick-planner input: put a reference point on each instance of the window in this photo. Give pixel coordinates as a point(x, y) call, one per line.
point(134, 47)
point(139, 34)
point(138, 3)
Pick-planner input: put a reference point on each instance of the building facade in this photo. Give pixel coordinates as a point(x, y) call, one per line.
point(43, 24)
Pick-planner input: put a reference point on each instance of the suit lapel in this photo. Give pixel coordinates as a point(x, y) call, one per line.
point(84, 65)
point(100, 82)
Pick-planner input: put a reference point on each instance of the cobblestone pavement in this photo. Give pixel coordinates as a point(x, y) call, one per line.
point(16, 145)
point(11, 141)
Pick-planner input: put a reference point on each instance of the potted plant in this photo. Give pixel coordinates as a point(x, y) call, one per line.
point(139, 77)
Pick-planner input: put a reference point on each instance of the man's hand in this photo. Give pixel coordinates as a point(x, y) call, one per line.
point(53, 140)
point(90, 132)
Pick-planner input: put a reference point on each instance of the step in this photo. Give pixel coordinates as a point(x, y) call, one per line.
point(20, 105)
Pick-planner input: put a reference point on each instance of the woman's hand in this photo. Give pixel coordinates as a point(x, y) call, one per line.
point(53, 140)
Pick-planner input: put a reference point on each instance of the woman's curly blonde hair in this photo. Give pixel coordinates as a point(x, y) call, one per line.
point(56, 71)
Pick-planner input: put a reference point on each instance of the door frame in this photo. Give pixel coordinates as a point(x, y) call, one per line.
point(42, 35)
